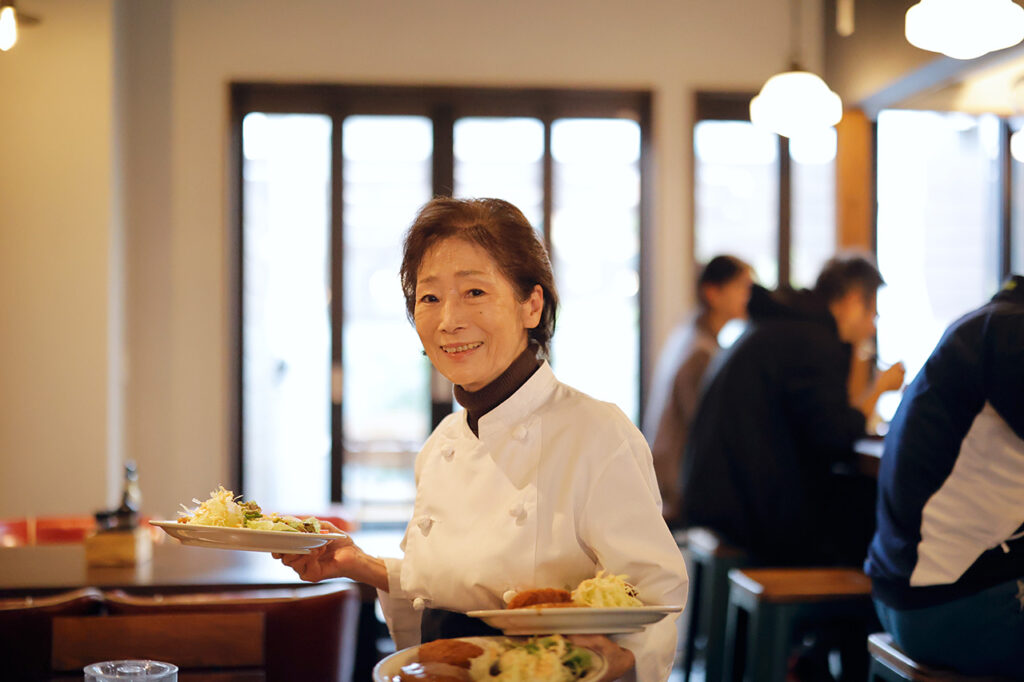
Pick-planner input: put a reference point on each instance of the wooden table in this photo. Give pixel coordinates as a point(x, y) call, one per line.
point(175, 568)
point(46, 569)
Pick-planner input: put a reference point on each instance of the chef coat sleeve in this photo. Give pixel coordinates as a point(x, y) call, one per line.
point(622, 527)
point(403, 620)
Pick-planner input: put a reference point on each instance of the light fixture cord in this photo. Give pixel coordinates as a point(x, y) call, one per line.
point(794, 38)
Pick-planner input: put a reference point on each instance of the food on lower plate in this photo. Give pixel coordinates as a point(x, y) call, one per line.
point(227, 511)
point(545, 596)
point(605, 590)
point(452, 651)
point(539, 659)
point(432, 672)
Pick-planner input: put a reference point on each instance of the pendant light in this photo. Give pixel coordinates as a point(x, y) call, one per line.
point(795, 101)
point(964, 29)
point(10, 17)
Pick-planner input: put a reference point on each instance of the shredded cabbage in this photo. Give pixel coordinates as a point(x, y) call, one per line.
point(605, 590)
point(224, 509)
point(543, 659)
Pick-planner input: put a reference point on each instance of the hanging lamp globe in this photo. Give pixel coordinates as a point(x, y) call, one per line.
point(964, 29)
point(793, 102)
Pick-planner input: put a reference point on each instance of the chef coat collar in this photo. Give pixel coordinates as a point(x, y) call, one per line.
point(518, 407)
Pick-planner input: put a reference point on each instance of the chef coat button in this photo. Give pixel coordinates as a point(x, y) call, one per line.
point(508, 596)
point(425, 525)
point(448, 453)
point(419, 604)
point(519, 433)
point(519, 513)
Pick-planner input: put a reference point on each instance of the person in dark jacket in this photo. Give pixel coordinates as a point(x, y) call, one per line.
point(947, 559)
point(775, 417)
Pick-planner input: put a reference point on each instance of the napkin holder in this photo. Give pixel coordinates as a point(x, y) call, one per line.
point(119, 547)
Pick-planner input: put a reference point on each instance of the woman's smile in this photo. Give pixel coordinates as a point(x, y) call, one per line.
point(461, 349)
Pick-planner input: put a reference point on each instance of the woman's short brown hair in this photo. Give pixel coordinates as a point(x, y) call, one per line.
point(500, 229)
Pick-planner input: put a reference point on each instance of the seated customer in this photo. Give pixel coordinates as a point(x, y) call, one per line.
point(947, 560)
point(723, 291)
point(774, 419)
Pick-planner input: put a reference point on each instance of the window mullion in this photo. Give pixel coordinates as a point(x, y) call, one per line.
point(337, 305)
point(443, 160)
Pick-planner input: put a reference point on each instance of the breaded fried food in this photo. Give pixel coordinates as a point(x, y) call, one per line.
point(450, 651)
point(544, 596)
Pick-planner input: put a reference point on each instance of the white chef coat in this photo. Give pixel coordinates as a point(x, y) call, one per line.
point(557, 486)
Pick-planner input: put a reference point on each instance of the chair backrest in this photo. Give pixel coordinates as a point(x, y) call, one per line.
point(26, 631)
point(209, 642)
point(309, 632)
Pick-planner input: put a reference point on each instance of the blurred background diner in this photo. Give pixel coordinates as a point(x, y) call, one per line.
point(202, 203)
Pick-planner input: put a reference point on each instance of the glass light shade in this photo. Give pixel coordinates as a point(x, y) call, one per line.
point(1017, 146)
point(794, 102)
point(8, 28)
point(964, 29)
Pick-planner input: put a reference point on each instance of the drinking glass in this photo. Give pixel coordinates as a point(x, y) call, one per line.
point(147, 671)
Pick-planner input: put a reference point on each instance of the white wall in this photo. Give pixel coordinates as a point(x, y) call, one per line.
point(180, 56)
point(58, 242)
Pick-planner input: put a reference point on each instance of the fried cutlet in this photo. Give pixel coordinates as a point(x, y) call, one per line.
point(541, 597)
point(450, 651)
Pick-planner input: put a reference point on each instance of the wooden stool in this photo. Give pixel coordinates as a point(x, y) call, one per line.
point(712, 558)
point(776, 600)
point(889, 663)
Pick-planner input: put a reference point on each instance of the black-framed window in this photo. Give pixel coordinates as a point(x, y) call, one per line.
point(950, 201)
point(334, 396)
point(765, 198)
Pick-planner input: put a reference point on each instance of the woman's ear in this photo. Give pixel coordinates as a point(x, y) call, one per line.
point(532, 307)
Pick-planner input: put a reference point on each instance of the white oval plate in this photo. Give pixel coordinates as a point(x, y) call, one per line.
point(248, 539)
point(574, 620)
point(389, 668)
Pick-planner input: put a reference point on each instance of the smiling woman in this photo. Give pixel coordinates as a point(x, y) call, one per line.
point(535, 484)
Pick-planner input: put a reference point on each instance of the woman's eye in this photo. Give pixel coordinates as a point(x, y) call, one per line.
point(428, 298)
point(475, 292)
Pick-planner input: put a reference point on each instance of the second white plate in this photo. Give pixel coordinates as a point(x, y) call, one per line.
point(248, 539)
point(574, 620)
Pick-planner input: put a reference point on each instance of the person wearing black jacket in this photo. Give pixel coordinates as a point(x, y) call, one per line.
point(774, 420)
point(947, 559)
point(775, 417)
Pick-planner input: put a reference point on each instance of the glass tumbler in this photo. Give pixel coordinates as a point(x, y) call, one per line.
point(131, 670)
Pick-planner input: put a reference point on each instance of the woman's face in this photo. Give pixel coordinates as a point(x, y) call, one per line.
point(467, 314)
point(730, 299)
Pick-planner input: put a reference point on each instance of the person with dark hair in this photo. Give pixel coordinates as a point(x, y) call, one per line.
point(947, 559)
point(723, 290)
point(775, 418)
point(533, 485)
point(774, 421)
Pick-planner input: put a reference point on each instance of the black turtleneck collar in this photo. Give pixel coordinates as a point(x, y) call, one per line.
point(479, 403)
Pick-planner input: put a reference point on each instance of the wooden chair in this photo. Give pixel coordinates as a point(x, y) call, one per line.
point(206, 647)
point(773, 602)
point(26, 632)
point(889, 663)
point(309, 633)
point(711, 558)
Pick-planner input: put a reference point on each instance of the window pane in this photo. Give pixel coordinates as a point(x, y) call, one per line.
point(736, 180)
point(502, 158)
point(1017, 204)
point(286, 333)
point(813, 177)
point(595, 235)
point(938, 205)
point(386, 409)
